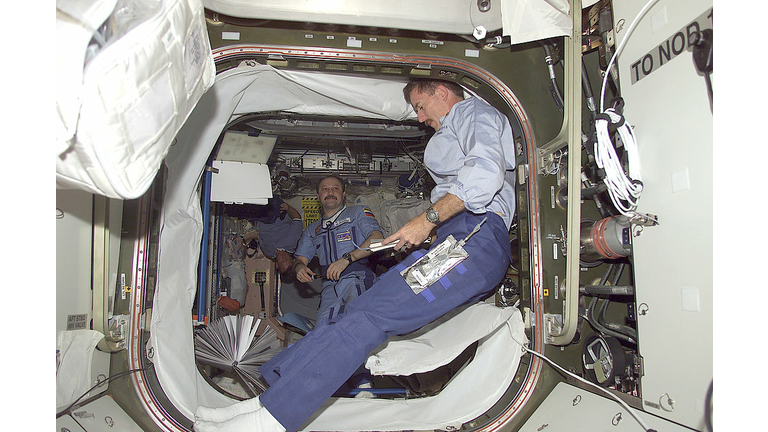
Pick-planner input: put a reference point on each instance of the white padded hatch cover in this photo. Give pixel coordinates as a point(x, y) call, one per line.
point(119, 112)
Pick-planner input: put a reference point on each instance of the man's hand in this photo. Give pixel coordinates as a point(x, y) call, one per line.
point(303, 273)
point(335, 269)
point(418, 229)
point(411, 234)
point(292, 212)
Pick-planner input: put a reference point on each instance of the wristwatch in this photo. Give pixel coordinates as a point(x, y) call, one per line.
point(348, 257)
point(432, 216)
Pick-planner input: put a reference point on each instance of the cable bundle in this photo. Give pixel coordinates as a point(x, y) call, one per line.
point(624, 188)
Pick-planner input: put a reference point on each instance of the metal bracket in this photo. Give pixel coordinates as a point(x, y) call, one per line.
point(553, 325)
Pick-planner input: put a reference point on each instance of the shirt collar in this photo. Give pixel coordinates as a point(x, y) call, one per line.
point(327, 222)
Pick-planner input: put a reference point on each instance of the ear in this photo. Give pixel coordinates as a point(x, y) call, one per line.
point(442, 92)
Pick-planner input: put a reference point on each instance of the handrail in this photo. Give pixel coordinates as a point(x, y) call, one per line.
point(563, 334)
point(100, 275)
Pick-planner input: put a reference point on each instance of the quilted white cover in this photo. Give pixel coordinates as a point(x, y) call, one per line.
point(118, 115)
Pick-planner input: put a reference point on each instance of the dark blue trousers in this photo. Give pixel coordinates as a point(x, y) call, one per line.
point(306, 374)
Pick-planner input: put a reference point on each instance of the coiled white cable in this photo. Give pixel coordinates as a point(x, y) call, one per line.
point(624, 188)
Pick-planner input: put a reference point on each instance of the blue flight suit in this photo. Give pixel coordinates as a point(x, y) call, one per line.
point(329, 239)
point(277, 231)
point(282, 234)
point(471, 156)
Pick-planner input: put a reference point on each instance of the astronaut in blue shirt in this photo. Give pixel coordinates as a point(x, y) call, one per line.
point(335, 239)
point(278, 232)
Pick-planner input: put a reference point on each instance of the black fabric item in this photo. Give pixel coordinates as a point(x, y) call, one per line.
point(261, 213)
point(432, 382)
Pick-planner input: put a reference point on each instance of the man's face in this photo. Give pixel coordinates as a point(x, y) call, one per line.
point(430, 108)
point(331, 194)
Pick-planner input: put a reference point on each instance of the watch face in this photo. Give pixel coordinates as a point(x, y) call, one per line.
point(432, 215)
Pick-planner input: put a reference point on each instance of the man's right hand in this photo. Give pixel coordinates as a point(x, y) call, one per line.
point(303, 273)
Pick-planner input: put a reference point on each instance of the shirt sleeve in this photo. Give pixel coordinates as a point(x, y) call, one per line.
point(481, 177)
point(305, 247)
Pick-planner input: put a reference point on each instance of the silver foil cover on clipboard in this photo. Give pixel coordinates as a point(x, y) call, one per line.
point(434, 265)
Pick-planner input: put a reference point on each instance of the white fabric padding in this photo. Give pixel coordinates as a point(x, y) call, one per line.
point(119, 118)
point(235, 92)
point(76, 21)
point(73, 376)
point(531, 20)
point(474, 390)
point(471, 392)
point(437, 343)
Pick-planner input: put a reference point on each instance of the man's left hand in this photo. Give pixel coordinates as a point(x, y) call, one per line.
point(335, 269)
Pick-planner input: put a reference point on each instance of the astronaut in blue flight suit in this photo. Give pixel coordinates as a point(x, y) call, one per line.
point(335, 239)
point(471, 157)
point(278, 229)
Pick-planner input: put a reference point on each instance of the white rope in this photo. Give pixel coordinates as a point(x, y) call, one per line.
point(624, 188)
point(630, 29)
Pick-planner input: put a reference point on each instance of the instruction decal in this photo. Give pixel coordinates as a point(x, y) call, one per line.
point(682, 40)
point(77, 322)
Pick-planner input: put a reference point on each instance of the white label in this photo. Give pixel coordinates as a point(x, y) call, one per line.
point(471, 53)
point(419, 277)
point(354, 43)
point(77, 322)
point(552, 196)
point(690, 299)
point(680, 181)
point(194, 58)
point(230, 35)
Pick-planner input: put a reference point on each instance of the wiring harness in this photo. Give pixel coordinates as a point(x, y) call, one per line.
point(624, 188)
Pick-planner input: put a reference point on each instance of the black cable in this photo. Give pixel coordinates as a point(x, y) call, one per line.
point(708, 407)
point(119, 375)
point(587, 88)
point(553, 87)
point(703, 58)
